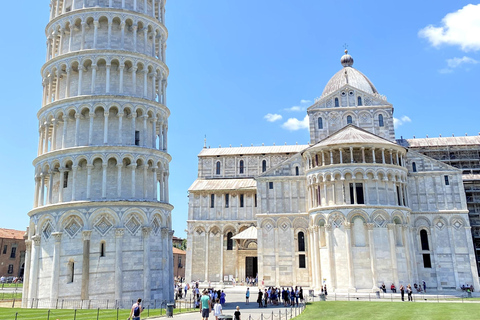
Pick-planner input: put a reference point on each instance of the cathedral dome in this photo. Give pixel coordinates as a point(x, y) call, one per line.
point(350, 76)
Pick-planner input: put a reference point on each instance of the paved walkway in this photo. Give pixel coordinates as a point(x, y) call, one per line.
point(235, 296)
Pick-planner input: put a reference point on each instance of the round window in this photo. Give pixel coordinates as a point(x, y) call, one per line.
point(343, 93)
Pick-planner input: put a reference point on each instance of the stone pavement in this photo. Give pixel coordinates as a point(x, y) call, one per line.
point(235, 296)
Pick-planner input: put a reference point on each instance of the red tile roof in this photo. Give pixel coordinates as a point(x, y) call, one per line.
point(178, 251)
point(11, 234)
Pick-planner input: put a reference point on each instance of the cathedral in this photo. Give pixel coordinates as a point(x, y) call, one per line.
point(353, 209)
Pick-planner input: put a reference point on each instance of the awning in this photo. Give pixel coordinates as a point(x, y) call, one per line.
point(250, 233)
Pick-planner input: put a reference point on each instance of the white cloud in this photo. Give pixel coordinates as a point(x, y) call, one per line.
point(272, 117)
point(293, 124)
point(302, 107)
point(457, 62)
point(397, 122)
point(295, 109)
point(460, 28)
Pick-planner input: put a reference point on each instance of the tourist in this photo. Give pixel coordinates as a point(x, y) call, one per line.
point(393, 288)
point(402, 292)
point(409, 293)
point(237, 313)
point(265, 298)
point(325, 289)
point(424, 286)
point(217, 309)
point(259, 299)
point(247, 296)
point(136, 310)
point(292, 296)
point(384, 289)
point(205, 304)
point(222, 298)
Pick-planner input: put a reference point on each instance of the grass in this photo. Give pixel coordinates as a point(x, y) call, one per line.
point(69, 314)
point(388, 310)
point(10, 295)
point(11, 285)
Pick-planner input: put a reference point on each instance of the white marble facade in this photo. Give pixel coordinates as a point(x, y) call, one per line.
point(352, 210)
point(100, 229)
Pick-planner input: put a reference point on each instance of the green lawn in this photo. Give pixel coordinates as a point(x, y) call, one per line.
point(389, 310)
point(68, 314)
point(10, 295)
point(11, 285)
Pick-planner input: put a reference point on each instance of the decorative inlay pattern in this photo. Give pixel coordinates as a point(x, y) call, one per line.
point(132, 225)
point(103, 225)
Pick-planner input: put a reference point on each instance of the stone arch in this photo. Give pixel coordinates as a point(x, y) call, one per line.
point(72, 223)
point(358, 213)
point(380, 218)
point(422, 221)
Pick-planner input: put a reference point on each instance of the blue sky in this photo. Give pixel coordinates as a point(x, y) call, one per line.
point(233, 62)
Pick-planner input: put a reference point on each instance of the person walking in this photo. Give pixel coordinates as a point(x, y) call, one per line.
point(259, 299)
point(205, 305)
point(237, 313)
point(402, 292)
point(247, 296)
point(217, 309)
point(136, 310)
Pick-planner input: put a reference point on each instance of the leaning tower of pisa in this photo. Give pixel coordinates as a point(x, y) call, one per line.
point(100, 230)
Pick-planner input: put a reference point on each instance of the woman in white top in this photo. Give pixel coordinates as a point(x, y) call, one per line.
point(217, 309)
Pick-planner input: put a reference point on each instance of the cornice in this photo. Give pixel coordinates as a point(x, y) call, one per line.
point(99, 203)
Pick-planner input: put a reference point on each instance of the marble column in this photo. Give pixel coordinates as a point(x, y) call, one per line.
point(26, 277)
point(331, 256)
point(451, 239)
point(55, 269)
point(221, 257)
point(86, 265)
point(146, 263)
point(164, 262)
point(119, 233)
point(32, 286)
point(373, 264)
point(207, 240)
point(393, 252)
point(351, 274)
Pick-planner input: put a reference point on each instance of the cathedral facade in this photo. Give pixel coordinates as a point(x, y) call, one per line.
point(353, 209)
point(100, 232)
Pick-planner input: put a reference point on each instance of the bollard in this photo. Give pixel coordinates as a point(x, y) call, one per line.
point(48, 314)
point(16, 314)
point(117, 313)
point(75, 315)
point(148, 311)
point(98, 313)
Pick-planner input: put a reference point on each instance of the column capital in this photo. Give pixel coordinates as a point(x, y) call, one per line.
point(328, 227)
point(119, 232)
point(106, 113)
point(28, 245)
point(370, 226)
point(57, 236)
point(391, 226)
point(86, 235)
point(119, 165)
point(146, 231)
point(164, 231)
point(170, 233)
point(36, 240)
point(120, 114)
point(347, 225)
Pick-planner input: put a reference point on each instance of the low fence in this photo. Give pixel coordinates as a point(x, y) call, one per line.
point(287, 313)
point(380, 296)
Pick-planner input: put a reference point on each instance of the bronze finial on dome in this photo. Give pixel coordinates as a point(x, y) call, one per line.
point(346, 60)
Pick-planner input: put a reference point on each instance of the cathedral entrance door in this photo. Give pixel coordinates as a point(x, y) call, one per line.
point(251, 267)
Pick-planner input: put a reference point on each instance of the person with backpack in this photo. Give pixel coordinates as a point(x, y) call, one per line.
point(136, 310)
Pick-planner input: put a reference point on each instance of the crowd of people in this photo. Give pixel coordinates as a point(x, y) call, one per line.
point(274, 296)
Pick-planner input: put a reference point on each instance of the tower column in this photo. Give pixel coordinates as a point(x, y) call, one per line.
point(56, 268)
point(146, 263)
point(373, 265)
point(32, 286)
point(119, 233)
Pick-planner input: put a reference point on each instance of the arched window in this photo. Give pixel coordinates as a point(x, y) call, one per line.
point(359, 101)
point(336, 103)
point(264, 165)
point(320, 123)
point(102, 249)
point(301, 242)
point(380, 120)
point(229, 241)
point(218, 167)
point(414, 167)
point(424, 239)
point(71, 271)
point(241, 166)
point(297, 171)
point(349, 120)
